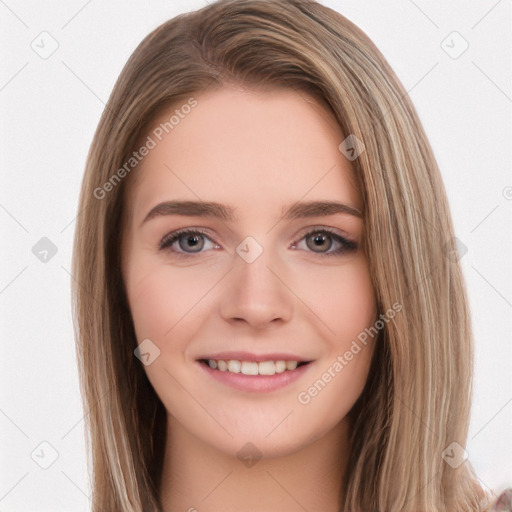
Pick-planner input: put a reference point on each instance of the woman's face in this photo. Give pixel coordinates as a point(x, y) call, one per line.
point(269, 278)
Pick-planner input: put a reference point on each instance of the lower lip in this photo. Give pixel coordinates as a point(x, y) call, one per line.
point(256, 383)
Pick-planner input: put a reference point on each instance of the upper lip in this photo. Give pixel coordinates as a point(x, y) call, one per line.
point(248, 356)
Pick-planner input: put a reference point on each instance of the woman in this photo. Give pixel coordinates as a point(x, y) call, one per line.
point(261, 372)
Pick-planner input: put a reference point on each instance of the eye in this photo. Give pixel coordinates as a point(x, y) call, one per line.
point(185, 239)
point(324, 238)
point(194, 239)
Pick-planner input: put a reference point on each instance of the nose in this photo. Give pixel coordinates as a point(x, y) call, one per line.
point(256, 293)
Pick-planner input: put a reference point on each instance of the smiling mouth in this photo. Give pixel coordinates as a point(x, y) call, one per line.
point(253, 367)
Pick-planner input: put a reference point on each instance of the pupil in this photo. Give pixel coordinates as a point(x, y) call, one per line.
point(320, 241)
point(192, 241)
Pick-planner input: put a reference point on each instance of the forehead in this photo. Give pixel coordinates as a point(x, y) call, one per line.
point(252, 149)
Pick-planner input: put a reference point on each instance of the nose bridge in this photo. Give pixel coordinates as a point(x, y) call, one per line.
point(256, 293)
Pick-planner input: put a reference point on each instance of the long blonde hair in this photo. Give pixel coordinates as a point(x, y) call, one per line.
point(418, 395)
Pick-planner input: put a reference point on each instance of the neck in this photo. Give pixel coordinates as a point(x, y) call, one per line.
point(198, 477)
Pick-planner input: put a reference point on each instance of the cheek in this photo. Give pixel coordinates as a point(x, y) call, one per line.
point(159, 298)
point(348, 306)
point(342, 298)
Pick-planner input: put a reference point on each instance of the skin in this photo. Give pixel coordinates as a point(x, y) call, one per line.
point(292, 299)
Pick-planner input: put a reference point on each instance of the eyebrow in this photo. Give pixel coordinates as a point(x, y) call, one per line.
point(228, 213)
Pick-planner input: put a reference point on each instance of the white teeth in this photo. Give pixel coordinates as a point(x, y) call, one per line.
point(267, 368)
point(252, 367)
point(234, 366)
point(280, 366)
point(291, 365)
point(249, 368)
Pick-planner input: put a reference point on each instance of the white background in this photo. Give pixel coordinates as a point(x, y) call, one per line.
point(49, 111)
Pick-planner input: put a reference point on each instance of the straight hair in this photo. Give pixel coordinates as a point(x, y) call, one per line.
point(417, 398)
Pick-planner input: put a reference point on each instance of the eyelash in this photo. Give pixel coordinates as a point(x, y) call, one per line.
point(347, 246)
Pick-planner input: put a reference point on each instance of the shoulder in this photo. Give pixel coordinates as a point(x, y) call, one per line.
point(503, 503)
